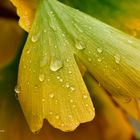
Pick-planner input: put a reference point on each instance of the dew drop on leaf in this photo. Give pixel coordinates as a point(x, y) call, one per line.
point(56, 65)
point(99, 50)
point(117, 58)
point(41, 77)
point(35, 38)
point(80, 45)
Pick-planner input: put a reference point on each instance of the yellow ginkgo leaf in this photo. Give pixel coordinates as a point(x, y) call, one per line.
point(26, 10)
point(110, 118)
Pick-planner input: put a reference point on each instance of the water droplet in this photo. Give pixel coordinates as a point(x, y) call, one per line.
point(73, 106)
point(58, 77)
point(80, 45)
point(56, 65)
point(17, 89)
point(41, 77)
point(35, 37)
point(99, 50)
point(61, 80)
point(67, 85)
point(28, 51)
point(45, 30)
point(62, 124)
point(72, 88)
point(70, 116)
point(50, 112)
point(85, 96)
point(71, 100)
point(51, 95)
point(89, 59)
point(99, 60)
point(89, 52)
point(51, 21)
point(117, 58)
point(70, 72)
point(86, 105)
point(43, 100)
point(130, 41)
point(57, 117)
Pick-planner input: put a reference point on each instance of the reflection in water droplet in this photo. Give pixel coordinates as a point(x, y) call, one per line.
point(80, 45)
point(35, 37)
point(41, 77)
point(99, 50)
point(117, 58)
point(56, 65)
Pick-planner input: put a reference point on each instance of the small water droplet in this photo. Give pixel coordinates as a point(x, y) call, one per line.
point(50, 112)
point(89, 59)
point(51, 95)
point(70, 116)
point(57, 117)
point(86, 105)
point(56, 65)
point(89, 52)
point(17, 89)
point(71, 100)
point(72, 88)
point(35, 37)
point(130, 41)
point(52, 21)
point(48, 79)
point(28, 51)
point(73, 106)
point(70, 72)
point(43, 100)
point(45, 30)
point(117, 58)
point(99, 60)
point(99, 50)
point(62, 124)
point(67, 85)
point(61, 80)
point(41, 77)
point(58, 77)
point(80, 45)
point(85, 96)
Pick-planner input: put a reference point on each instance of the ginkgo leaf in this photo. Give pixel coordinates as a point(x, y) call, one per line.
point(48, 72)
point(26, 10)
point(115, 122)
point(50, 84)
point(130, 105)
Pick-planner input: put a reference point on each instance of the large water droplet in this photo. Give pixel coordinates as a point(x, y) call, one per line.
point(35, 37)
point(99, 50)
point(41, 77)
point(56, 65)
point(80, 45)
point(117, 58)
